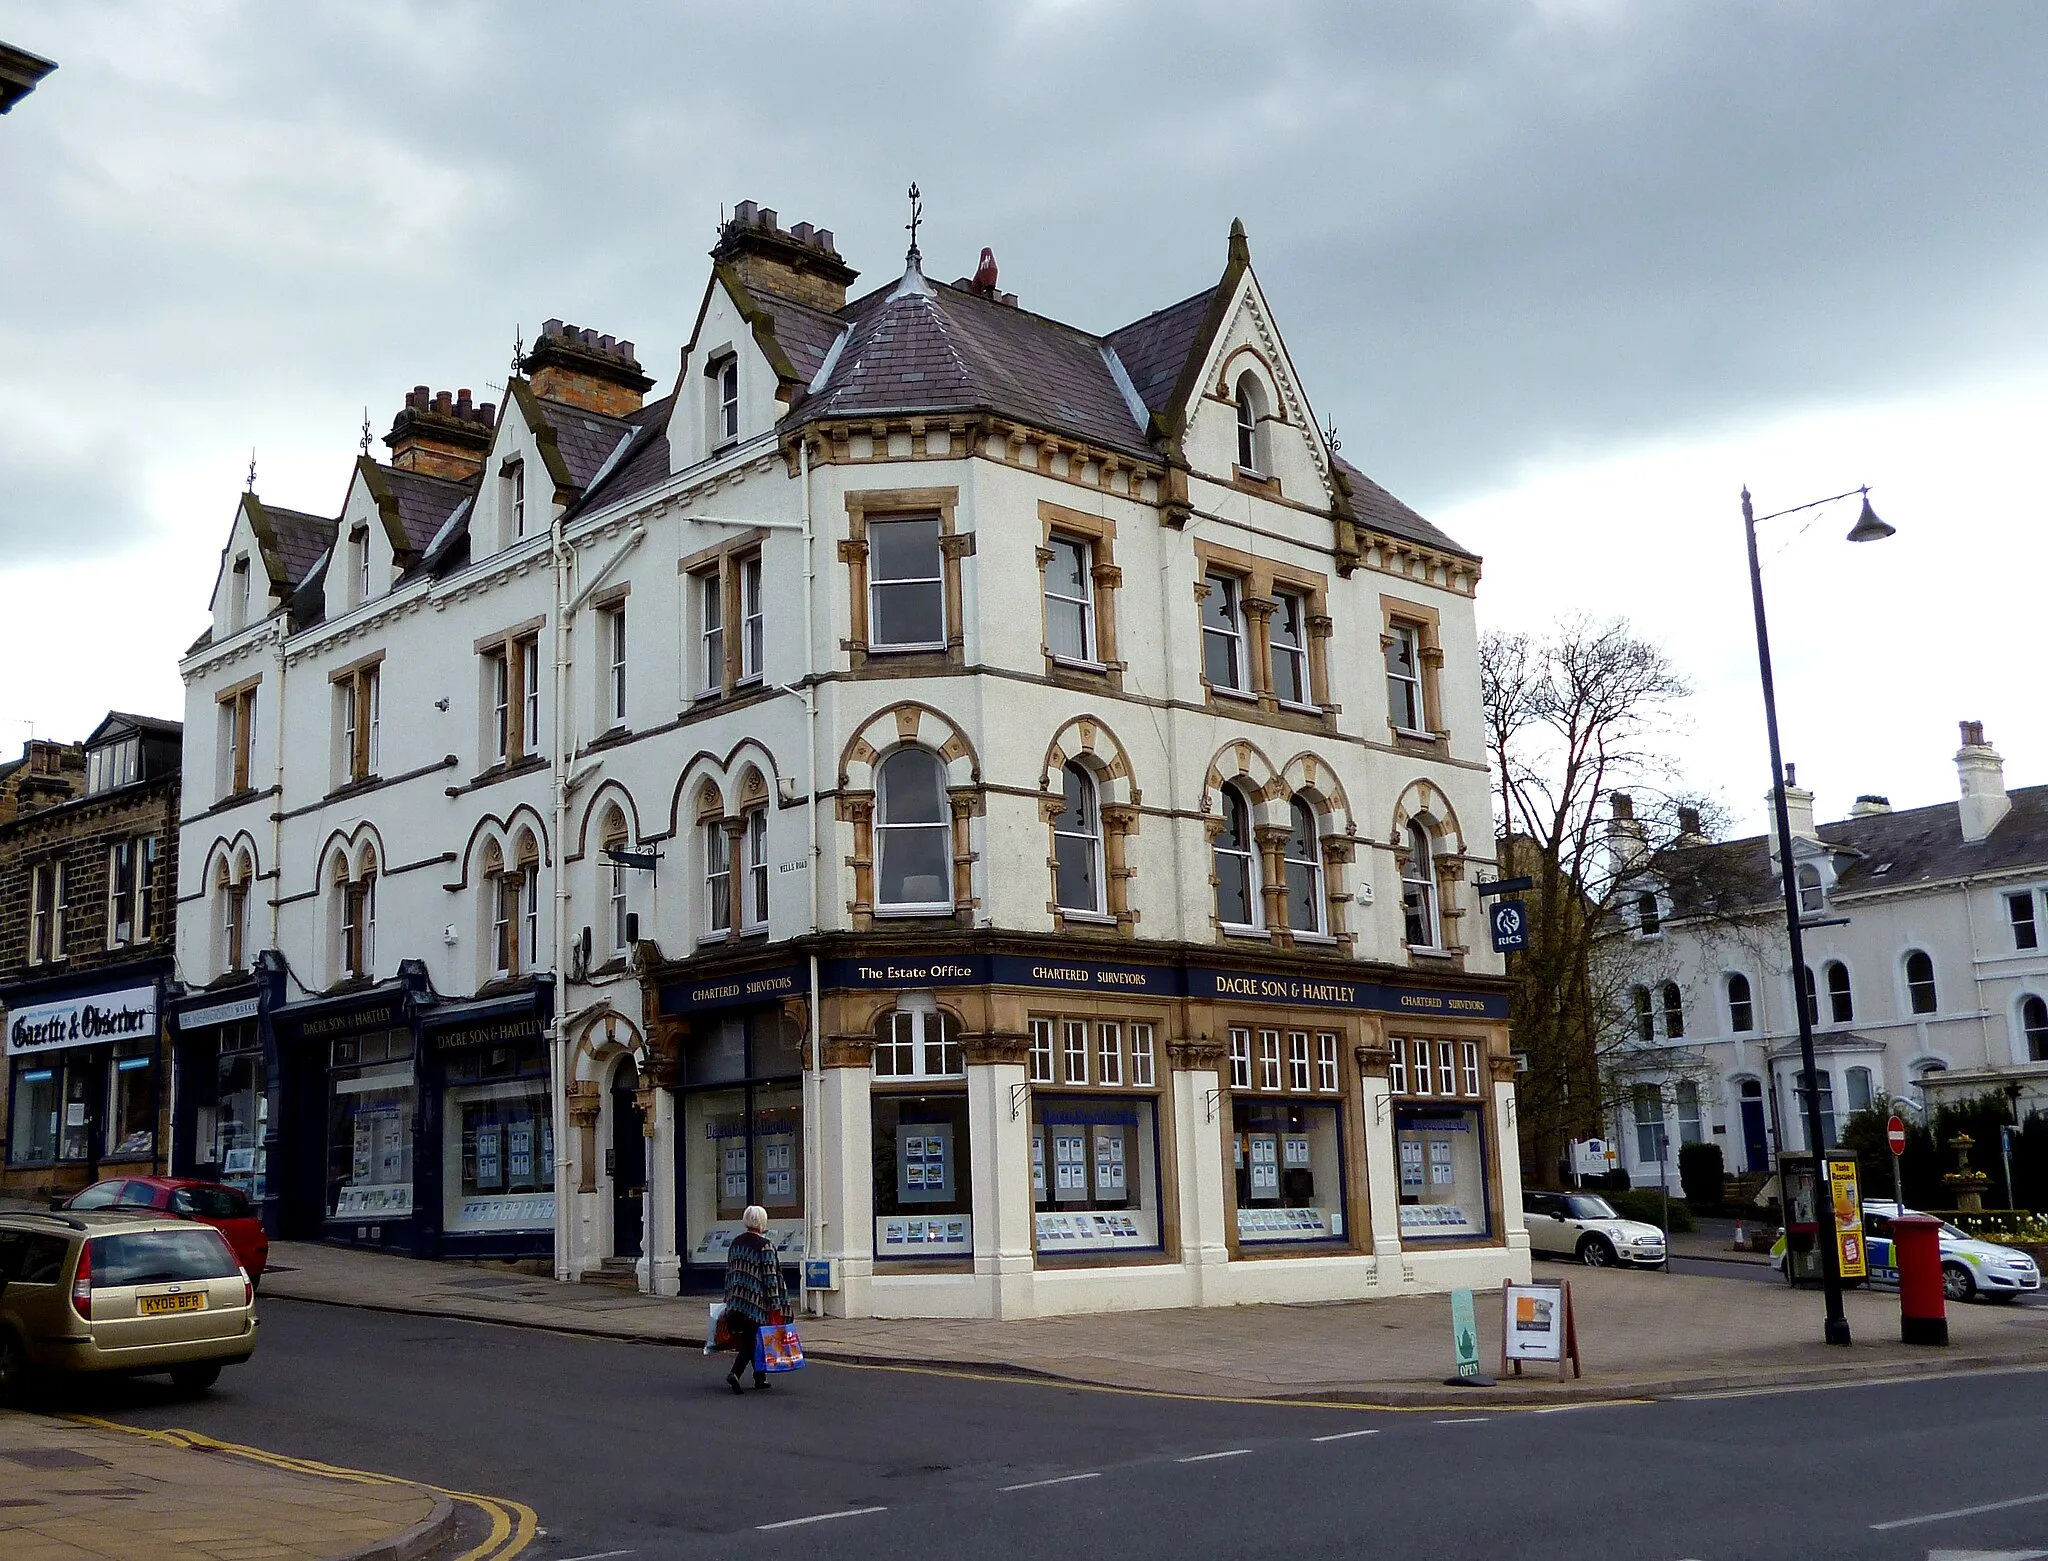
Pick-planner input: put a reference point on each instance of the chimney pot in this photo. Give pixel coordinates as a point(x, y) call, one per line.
point(442, 401)
point(1688, 821)
point(743, 213)
point(1623, 804)
point(605, 343)
point(626, 351)
point(825, 241)
point(801, 232)
point(1973, 733)
point(768, 218)
point(487, 413)
point(551, 328)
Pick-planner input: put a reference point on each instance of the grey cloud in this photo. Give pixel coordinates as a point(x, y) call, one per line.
point(56, 503)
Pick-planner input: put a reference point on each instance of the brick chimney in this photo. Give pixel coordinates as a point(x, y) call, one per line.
point(1983, 777)
point(1689, 831)
point(442, 435)
point(801, 264)
point(586, 370)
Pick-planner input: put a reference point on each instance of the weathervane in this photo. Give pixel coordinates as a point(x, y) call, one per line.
point(1330, 437)
point(518, 349)
point(916, 216)
point(366, 430)
point(252, 468)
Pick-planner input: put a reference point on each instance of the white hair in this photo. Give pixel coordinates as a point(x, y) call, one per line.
point(756, 1217)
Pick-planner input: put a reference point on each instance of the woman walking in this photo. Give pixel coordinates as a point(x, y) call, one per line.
point(753, 1293)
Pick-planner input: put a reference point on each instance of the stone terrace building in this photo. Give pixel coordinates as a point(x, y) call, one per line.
point(88, 855)
point(1927, 969)
point(1002, 797)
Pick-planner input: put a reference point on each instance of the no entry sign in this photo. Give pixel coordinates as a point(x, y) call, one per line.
point(1895, 1135)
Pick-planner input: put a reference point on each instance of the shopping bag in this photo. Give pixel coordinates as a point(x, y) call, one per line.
point(777, 1348)
point(717, 1332)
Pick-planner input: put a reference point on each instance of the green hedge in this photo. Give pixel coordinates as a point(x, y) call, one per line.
point(1647, 1205)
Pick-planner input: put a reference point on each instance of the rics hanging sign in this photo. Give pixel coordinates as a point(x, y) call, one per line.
point(86, 1020)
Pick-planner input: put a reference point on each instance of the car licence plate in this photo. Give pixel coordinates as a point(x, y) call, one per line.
point(156, 1305)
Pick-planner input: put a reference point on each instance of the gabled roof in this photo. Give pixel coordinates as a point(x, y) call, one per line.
point(120, 721)
point(291, 541)
point(1155, 349)
point(645, 463)
point(424, 503)
point(1884, 850)
point(585, 438)
point(1378, 510)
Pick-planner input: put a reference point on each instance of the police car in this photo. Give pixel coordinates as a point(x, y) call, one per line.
point(1969, 1267)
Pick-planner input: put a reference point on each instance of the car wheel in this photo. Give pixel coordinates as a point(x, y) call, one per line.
point(1596, 1252)
point(1956, 1282)
point(14, 1371)
point(195, 1379)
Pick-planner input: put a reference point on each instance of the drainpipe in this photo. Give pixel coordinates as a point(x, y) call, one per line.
point(558, 779)
point(277, 808)
point(814, 1079)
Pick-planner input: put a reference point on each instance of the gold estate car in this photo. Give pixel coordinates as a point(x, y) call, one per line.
point(119, 1294)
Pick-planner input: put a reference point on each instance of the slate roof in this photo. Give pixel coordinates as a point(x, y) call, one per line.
point(805, 333)
point(1373, 506)
point(302, 540)
point(151, 725)
point(1894, 850)
point(645, 463)
point(586, 439)
point(424, 502)
point(1155, 349)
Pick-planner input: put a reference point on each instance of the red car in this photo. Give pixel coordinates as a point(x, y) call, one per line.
point(226, 1209)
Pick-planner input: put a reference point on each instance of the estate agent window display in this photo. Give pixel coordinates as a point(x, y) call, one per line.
point(373, 1108)
point(1289, 1148)
point(742, 1141)
point(1095, 1135)
point(498, 1138)
point(924, 1194)
point(1440, 1088)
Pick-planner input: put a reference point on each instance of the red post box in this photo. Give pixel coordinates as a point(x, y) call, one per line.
point(1916, 1251)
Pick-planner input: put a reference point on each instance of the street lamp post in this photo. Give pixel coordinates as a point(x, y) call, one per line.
point(1868, 528)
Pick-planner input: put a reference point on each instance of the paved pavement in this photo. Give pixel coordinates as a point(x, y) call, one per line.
point(1641, 1334)
point(79, 1492)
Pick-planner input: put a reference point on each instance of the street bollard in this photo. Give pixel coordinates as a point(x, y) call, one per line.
point(1916, 1252)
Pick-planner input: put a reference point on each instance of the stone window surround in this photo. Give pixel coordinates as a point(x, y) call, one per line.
point(855, 805)
point(1248, 359)
point(1098, 532)
point(727, 560)
point(237, 702)
point(613, 599)
point(1276, 793)
point(1259, 579)
point(711, 813)
point(1449, 862)
point(357, 680)
point(1429, 654)
point(1117, 816)
point(512, 646)
point(870, 504)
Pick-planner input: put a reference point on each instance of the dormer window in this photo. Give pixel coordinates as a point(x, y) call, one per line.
point(1811, 896)
point(359, 563)
point(113, 765)
point(1251, 432)
point(515, 497)
point(727, 426)
point(238, 594)
point(1649, 921)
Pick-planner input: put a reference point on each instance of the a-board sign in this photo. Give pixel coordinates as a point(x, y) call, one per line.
point(1847, 1199)
point(1465, 1333)
point(1537, 1324)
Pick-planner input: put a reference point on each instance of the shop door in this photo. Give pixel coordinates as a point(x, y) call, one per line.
point(628, 1157)
point(1755, 1145)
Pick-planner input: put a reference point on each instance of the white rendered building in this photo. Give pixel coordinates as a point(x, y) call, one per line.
point(1004, 798)
point(1927, 952)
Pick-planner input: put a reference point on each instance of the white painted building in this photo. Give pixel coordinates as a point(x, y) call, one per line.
point(1928, 957)
point(1046, 785)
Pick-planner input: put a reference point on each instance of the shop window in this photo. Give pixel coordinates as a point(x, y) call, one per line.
point(922, 1041)
point(1237, 865)
point(1094, 1174)
point(1304, 862)
point(1223, 636)
point(1074, 1050)
point(372, 1105)
point(497, 1138)
point(744, 1145)
point(1289, 1162)
point(1920, 982)
point(1841, 1000)
point(1441, 1151)
point(1070, 601)
point(36, 1114)
point(913, 839)
point(923, 1189)
point(1297, 1061)
point(1142, 1058)
point(1269, 1059)
point(1041, 1051)
point(1240, 1059)
point(1420, 922)
point(231, 1131)
point(1077, 844)
point(1741, 1008)
point(131, 1106)
point(1287, 636)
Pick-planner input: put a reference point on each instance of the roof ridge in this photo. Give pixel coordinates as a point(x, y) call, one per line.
point(1132, 325)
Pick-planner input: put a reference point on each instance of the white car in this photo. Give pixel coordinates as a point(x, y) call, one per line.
point(1969, 1267)
point(1584, 1225)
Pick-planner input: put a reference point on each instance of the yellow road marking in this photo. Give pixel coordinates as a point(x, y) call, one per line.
point(513, 1524)
point(1211, 1398)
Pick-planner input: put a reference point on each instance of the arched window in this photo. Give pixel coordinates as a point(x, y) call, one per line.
point(1920, 981)
point(612, 837)
point(1304, 869)
point(1674, 1011)
point(1741, 1010)
point(513, 890)
point(1807, 998)
point(355, 902)
point(1841, 1003)
point(1648, 920)
point(501, 911)
point(1418, 891)
point(1811, 897)
point(1251, 433)
point(1237, 864)
point(918, 1040)
point(913, 842)
point(1646, 1016)
point(2034, 1024)
point(717, 878)
point(1077, 844)
point(231, 885)
point(1861, 1094)
point(527, 861)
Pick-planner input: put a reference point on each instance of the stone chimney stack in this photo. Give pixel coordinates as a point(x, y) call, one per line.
point(801, 264)
point(586, 370)
point(1798, 806)
point(442, 435)
point(1689, 831)
point(1869, 805)
point(1628, 847)
point(1983, 777)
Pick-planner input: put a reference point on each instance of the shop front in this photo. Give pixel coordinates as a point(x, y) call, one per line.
point(497, 1126)
point(87, 1079)
point(1012, 1133)
point(221, 1131)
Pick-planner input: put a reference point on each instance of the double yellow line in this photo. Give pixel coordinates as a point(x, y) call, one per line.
point(513, 1524)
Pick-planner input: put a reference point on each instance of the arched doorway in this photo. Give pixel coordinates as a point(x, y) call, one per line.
point(626, 1161)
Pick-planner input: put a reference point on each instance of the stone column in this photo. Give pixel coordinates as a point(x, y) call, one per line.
point(999, 1146)
point(1382, 1173)
point(1199, 1112)
point(1508, 1158)
point(845, 1187)
point(585, 1102)
point(1272, 840)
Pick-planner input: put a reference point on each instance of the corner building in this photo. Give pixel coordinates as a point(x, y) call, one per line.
point(1004, 798)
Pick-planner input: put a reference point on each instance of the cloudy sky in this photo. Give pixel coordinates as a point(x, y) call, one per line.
point(1564, 273)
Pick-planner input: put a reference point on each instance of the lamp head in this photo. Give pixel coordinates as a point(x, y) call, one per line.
point(1868, 527)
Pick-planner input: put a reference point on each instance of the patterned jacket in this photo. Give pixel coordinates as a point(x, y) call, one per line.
point(753, 1278)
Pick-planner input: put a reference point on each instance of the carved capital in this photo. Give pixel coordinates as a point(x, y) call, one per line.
point(1197, 1055)
point(585, 1100)
point(986, 1047)
point(849, 1051)
point(1374, 1061)
point(1502, 1069)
